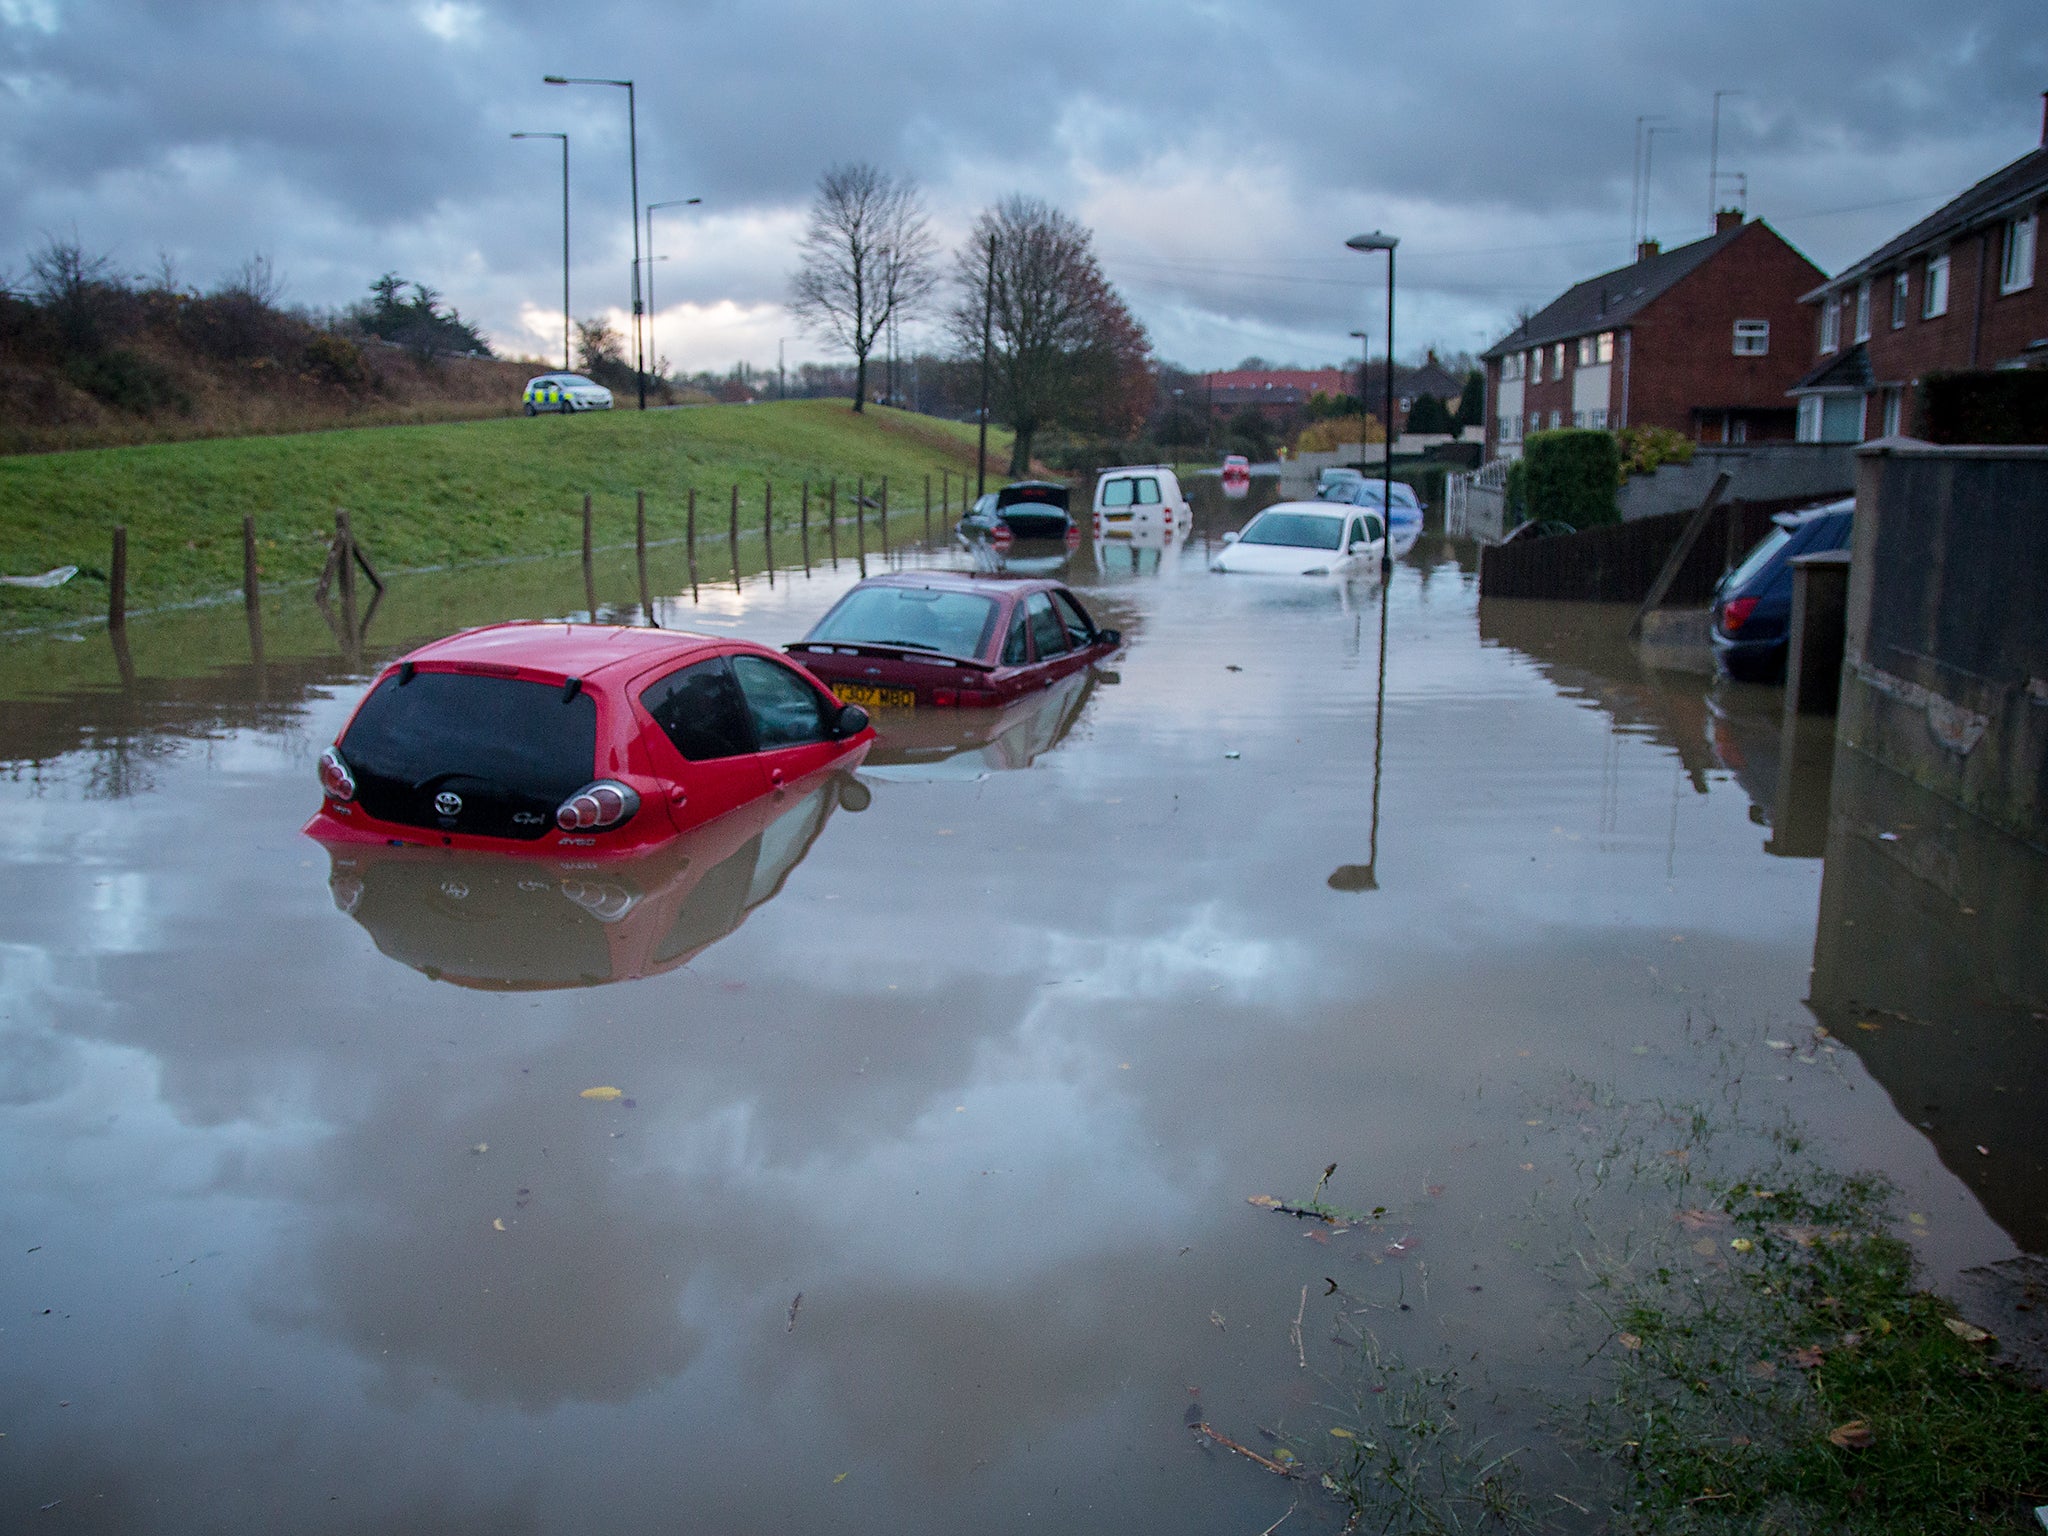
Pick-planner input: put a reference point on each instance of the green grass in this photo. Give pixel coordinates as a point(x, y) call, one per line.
point(446, 494)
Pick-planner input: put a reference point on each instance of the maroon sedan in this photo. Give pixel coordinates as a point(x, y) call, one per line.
point(923, 638)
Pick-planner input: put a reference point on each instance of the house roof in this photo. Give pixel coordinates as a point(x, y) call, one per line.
point(1849, 371)
point(1996, 195)
point(1613, 298)
point(1308, 381)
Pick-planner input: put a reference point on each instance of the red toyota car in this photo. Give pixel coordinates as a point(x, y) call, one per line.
point(545, 738)
point(917, 639)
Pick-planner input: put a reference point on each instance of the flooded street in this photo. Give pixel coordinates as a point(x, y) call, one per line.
point(921, 1203)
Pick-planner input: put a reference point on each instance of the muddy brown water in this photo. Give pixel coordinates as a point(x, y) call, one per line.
point(309, 1226)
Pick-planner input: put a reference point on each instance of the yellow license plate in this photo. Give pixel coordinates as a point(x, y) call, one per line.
point(877, 698)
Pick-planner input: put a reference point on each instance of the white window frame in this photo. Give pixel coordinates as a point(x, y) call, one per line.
point(1810, 412)
point(1597, 417)
point(1557, 359)
point(1894, 400)
point(1511, 368)
point(1831, 323)
point(1752, 338)
point(1535, 365)
point(1585, 351)
point(1934, 297)
point(1603, 348)
point(1863, 310)
point(2016, 263)
point(1557, 417)
point(1902, 283)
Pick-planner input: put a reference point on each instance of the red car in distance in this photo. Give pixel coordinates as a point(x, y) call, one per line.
point(924, 639)
point(575, 740)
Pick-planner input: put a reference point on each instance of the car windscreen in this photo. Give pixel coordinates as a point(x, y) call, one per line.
point(510, 751)
point(951, 623)
point(1757, 559)
point(1127, 490)
point(1297, 530)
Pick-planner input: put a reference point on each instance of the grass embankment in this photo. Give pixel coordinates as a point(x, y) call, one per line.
point(439, 495)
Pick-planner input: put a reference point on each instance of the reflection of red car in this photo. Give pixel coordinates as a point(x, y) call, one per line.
point(575, 740)
point(531, 923)
point(922, 638)
point(1237, 474)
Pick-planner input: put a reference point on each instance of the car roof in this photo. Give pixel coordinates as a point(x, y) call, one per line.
point(1809, 514)
point(568, 650)
point(1310, 508)
point(962, 581)
point(1133, 469)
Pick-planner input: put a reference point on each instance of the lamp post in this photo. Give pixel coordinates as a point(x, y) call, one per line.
point(653, 352)
point(633, 167)
point(566, 363)
point(1379, 242)
point(1364, 362)
point(1365, 877)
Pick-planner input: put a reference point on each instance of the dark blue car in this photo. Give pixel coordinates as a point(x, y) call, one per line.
point(1753, 605)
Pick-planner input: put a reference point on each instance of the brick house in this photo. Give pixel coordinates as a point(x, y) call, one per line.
point(1956, 291)
point(1698, 339)
point(1279, 393)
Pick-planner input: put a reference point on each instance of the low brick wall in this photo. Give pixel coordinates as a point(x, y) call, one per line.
point(1618, 563)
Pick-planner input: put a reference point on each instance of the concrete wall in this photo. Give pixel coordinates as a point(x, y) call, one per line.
point(1757, 471)
point(1945, 678)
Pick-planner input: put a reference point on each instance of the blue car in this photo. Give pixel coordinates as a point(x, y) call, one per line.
point(1752, 611)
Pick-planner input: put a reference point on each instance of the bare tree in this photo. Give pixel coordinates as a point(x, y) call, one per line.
point(866, 259)
point(1064, 348)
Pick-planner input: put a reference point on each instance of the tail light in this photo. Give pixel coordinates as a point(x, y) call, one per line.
point(945, 698)
point(1002, 534)
point(1073, 538)
point(1736, 614)
point(335, 779)
point(594, 807)
point(965, 698)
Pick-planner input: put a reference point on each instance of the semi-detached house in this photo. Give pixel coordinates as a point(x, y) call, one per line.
point(1698, 339)
point(1957, 291)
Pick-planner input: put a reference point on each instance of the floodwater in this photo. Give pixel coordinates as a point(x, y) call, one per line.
point(922, 1201)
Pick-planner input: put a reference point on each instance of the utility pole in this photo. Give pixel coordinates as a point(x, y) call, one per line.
point(781, 376)
point(988, 311)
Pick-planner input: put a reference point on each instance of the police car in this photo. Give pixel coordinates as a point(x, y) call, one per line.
point(565, 392)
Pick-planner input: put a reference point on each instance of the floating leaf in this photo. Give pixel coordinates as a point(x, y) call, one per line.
point(602, 1093)
point(1629, 1341)
point(1268, 1202)
point(1216, 1318)
point(480, 1148)
point(1741, 1244)
point(1969, 1333)
point(1852, 1436)
point(1343, 1434)
point(840, 1478)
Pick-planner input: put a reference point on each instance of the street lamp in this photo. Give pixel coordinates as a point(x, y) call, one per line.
point(1379, 242)
point(633, 164)
point(1364, 362)
point(654, 352)
point(566, 363)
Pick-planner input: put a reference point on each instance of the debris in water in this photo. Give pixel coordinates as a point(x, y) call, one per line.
point(1204, 1428)
point(497, 1223)
point(1233, 756)
point(792, 1315)
point(480, 1149)
point(607, 1094)
point(1969, 1333)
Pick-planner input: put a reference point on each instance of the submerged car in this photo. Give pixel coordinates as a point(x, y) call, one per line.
point(1357, 491)
point(925, 639)
point(566, 393)
point(1305, 538)
point(1139, 496)
point(1752, 611)
point(1027, 509)
point(542, 738)
point(1236, 474)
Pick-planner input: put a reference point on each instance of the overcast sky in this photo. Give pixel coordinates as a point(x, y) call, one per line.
point(1222, 150)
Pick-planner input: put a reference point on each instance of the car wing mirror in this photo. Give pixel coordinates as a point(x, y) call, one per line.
point(851, 721)
point(1230, 538)
point(1110, 636)
point(1360, 547)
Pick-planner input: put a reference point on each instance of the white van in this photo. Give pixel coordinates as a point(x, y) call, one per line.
point(1139, 495)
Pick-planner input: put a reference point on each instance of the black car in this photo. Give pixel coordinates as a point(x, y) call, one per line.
point(1752, 611)
point(1027, 509)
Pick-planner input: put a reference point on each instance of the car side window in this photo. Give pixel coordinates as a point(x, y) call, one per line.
point(1014, 654)
point(1048, 635)
point(1079, 630)
point(1117, 493)
point(1148, 491)
point(701, 710)
point(786, 710)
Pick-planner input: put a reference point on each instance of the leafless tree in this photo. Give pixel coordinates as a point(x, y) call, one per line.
point(1063, 346)
point(866, 258)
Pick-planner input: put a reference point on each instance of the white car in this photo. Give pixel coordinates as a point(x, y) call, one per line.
point(1138, 496)
point(1305, 538)
point(565, 392)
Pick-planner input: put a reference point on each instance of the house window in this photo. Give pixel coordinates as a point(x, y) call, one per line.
point(1934, 301)
point(1752, 338)
point(1892, 398)
point(1738, 430)
point(2018, 270)
point(1557, 352)
point(1578, 418)
point(1603, 347)
point(1809, 419)
point(1830, 324)
point(1535, 421)
point(1510, 428)
point(1511, 368)
point(1556, 419)
point(1863, 310)
point(1900, 283)
point(1536, 366)
point(1597, 418)
point(1585, 351)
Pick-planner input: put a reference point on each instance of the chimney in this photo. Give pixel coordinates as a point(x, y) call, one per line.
point(1727, 219)
point(1647, 249)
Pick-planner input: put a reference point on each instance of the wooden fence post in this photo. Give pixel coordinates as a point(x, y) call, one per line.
point(927, 509)
point(860, 522)
point(117, 580)
point(733, 535)
point(640, 554)
point(768, 527)
point(804, 524)
point(690, 533)
point(251, 596)
point(832, 519)
point(883, 497)
point(586, 531)
point(345, 550)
